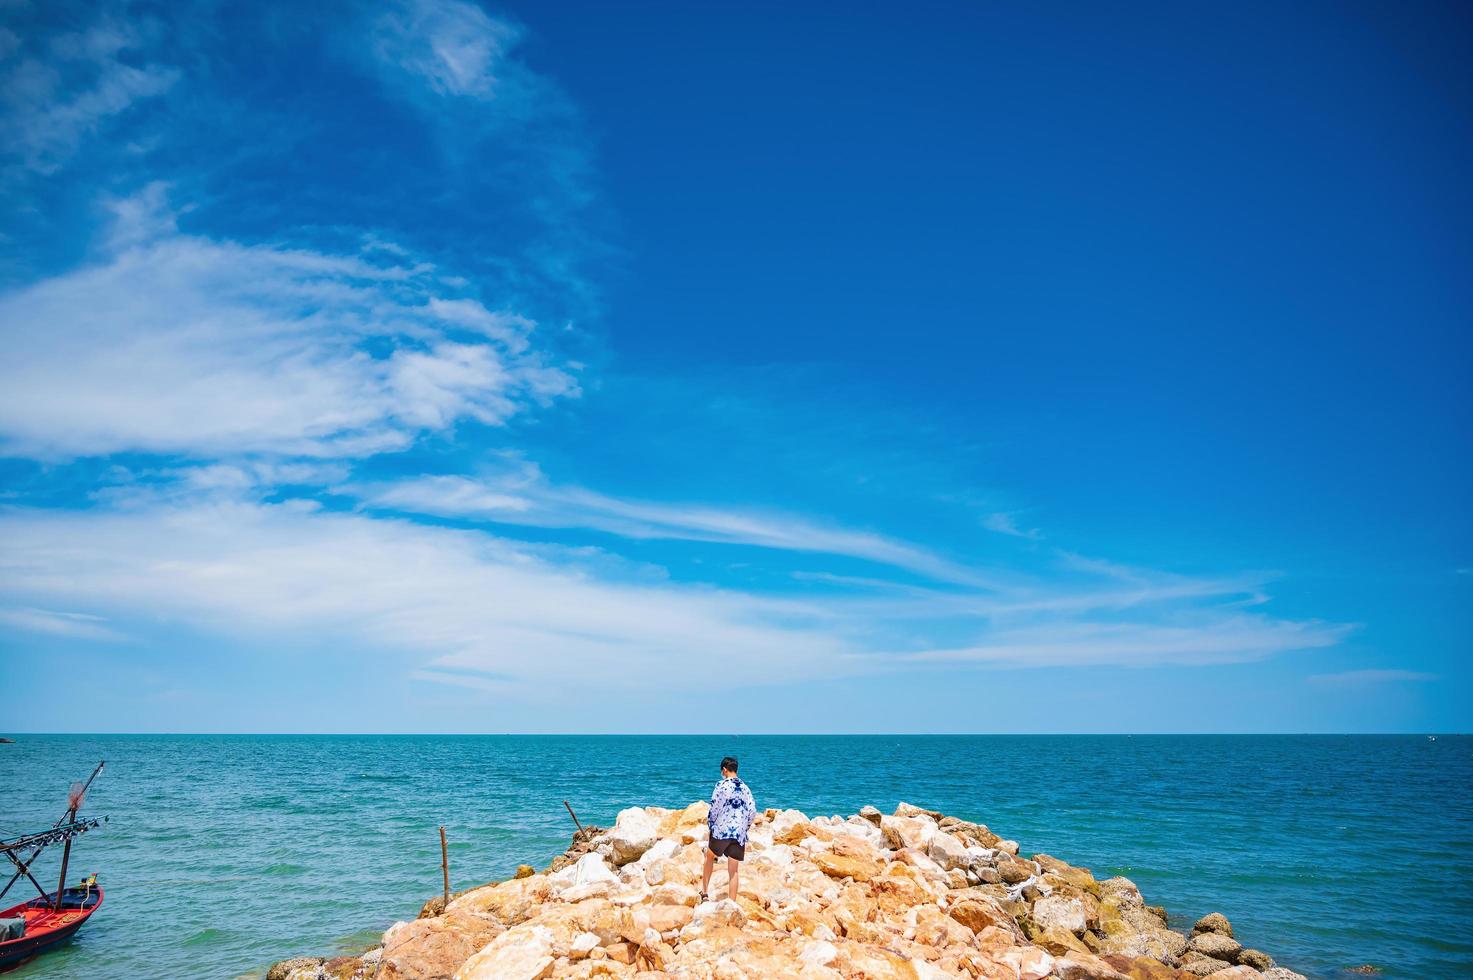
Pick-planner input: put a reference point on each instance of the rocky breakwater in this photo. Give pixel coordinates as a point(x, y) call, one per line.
point(912, 895)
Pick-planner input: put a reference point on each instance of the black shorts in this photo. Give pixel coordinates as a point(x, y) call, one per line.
point(727, 848)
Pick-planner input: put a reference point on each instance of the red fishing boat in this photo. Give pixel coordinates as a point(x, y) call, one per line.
point(51, 918)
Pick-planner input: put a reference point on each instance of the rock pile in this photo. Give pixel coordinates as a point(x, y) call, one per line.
point(912, 895)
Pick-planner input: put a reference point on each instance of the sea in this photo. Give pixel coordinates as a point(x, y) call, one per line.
point(222, 854)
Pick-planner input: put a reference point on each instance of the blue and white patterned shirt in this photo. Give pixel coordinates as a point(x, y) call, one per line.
point(732, 811)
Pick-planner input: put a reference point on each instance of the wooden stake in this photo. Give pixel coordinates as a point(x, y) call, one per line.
point(66, 855)
point(574, 816)
point(445, 868)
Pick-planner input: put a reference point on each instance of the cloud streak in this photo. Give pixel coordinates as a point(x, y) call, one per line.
point(523, 496)
point(72, 625)
point(1351, 679)
point(453, 47)
point(444, 600)
point(56, 94)
point(1208, 640)
point(184, 344)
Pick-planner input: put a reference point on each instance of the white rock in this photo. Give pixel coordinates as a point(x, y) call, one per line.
point(979, 855)
point(921, 862)
point(1009, 846)
point(1057, 911)
point(722, 913)
point(1031, 962)
point(634, 832)
point(757, 839)
point(786, 820)
point(631, 896)
point(778, 854)
point(948, 851)
point(590, 868)
point(820, 953)
point(710, 916)
point(925, 971)
point(914, 832)
point(587, 890)
point(674, 894)
point(659, 851)
point(523, 952)
point(583, 944)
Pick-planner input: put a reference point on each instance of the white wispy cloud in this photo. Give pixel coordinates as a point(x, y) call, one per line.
point(441, 599)
point(452, 604)
point(53, 98)
point(522, 495)
point(74, 625)
point(186, 344)
point(1369, 678)
point(1006, 523)
point(454, 47)
point(1214, 639)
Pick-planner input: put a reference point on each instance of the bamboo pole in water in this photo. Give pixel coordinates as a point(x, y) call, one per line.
point(445, 868)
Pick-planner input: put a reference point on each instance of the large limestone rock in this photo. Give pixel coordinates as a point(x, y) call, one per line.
point(1141, 967)
point(1214, 922)
point(1216, 945)
point(908, 832)
point(635, 831)
point(948, 851)
point(1257, 959)
point(903, 809)
point(1083, 966)
point(1015, 872)
point(1066, 913)
point(426, 949)
point(841, 866)
point(1057, 940)
point(521, 953)
point(588, 877)
point(1122, 891)
point(296, 968)
point(978, 912)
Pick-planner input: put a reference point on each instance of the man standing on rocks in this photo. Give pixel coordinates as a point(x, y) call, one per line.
point(731, 816)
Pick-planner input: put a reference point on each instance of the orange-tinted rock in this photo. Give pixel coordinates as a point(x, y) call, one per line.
point(977, 915)
point(1140, 967)
point(838, 866)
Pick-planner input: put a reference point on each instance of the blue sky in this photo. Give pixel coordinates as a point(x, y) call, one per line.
point(428, 366)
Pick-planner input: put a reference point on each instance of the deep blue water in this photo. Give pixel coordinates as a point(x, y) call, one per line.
point(225, 853)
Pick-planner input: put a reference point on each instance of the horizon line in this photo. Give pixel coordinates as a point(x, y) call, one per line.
point(521, 734)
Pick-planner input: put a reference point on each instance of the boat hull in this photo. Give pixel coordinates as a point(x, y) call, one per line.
point(45, 927)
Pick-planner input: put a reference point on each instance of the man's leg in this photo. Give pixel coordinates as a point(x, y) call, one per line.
point(733, 869)
point(706, 871)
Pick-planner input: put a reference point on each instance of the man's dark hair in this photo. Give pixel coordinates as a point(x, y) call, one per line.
point(729, 763)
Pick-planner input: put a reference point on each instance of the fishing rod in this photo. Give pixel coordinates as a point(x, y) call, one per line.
point(53, 836)
point(23, 867)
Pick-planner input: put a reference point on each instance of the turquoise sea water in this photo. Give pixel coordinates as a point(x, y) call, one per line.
point(226, 853)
